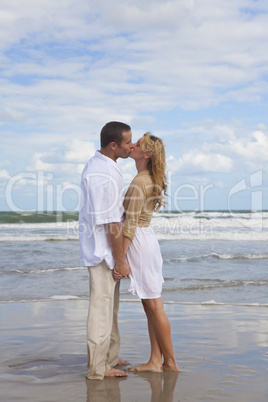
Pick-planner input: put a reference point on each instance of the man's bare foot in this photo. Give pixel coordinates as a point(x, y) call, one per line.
point(147, 367)
point(170, 367)
point(122, 362)
point(115, 373)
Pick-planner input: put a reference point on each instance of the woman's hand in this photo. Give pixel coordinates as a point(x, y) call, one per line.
point(117, 276)
point(122, 268)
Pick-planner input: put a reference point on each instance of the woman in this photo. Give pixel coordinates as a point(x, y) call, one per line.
point(145, 195)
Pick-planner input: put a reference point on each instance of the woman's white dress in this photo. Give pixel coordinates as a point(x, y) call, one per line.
point(145, 260)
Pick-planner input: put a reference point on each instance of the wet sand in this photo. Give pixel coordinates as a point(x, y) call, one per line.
point(222, 353)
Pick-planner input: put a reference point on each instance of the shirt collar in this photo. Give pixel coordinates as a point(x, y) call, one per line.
point(108, 160)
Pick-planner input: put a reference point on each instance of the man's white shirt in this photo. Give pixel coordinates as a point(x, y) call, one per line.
point(102, 195)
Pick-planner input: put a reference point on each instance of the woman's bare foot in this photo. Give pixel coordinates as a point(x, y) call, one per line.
point(148, 367)
point(115, 373)
point(170, 367)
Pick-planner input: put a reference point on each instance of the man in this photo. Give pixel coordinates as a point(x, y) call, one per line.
point(101, 247)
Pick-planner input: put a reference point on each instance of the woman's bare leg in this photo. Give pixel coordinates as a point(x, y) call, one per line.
point(156, 353)
point(155, 361)
point(161, 329)
point(160, 338)
point(163, 334)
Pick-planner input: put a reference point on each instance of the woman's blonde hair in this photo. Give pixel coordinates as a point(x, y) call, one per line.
point(156, 166)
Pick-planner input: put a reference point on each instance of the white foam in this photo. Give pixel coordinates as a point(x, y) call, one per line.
point(136, 301)
point(64, 297)
point(38, 225)
point(205, 303)
point(167, 226)
point(37, 237)
point(240, 256)
point(210, 302)
point(45, 271)
point(226, 236)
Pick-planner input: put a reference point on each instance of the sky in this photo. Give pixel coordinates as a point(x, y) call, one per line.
point(194, 72)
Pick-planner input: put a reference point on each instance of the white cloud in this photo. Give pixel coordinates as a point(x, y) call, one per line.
point(196, 162)
point(9, 115)
point(255, 148)
point(79, 151)
point(213, 148)
point(4, 174)
point(67, 163)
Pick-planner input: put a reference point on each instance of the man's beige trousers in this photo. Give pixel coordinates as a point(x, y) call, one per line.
point(103, 338)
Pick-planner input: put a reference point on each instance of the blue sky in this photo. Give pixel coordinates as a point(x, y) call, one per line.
point(194, 72)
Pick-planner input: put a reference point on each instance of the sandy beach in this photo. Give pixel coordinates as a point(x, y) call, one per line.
point(222, 353)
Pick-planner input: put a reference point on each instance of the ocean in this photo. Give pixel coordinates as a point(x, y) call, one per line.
point(209, 257)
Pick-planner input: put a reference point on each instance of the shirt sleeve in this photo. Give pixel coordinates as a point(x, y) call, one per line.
point(135, 198)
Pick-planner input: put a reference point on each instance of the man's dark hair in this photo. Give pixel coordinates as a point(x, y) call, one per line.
point(113, 132)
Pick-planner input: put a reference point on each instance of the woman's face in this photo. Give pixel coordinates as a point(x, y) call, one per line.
point(136, 152)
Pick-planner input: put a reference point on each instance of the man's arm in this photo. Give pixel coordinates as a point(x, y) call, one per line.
point(126, 244)
point(115, 238)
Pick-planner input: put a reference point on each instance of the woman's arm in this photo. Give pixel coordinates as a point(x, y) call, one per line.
point(134, 201)
point(135, 197)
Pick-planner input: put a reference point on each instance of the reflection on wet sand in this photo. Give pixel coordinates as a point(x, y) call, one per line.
point(162, 385)
point(104, 390)
point(160, 388)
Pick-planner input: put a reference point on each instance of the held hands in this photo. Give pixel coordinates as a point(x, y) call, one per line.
point(121, 270)
point(117, 276)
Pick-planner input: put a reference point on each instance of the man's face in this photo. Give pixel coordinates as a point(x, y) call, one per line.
point(124, 149)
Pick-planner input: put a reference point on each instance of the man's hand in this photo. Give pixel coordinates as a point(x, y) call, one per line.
point(122, 268)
